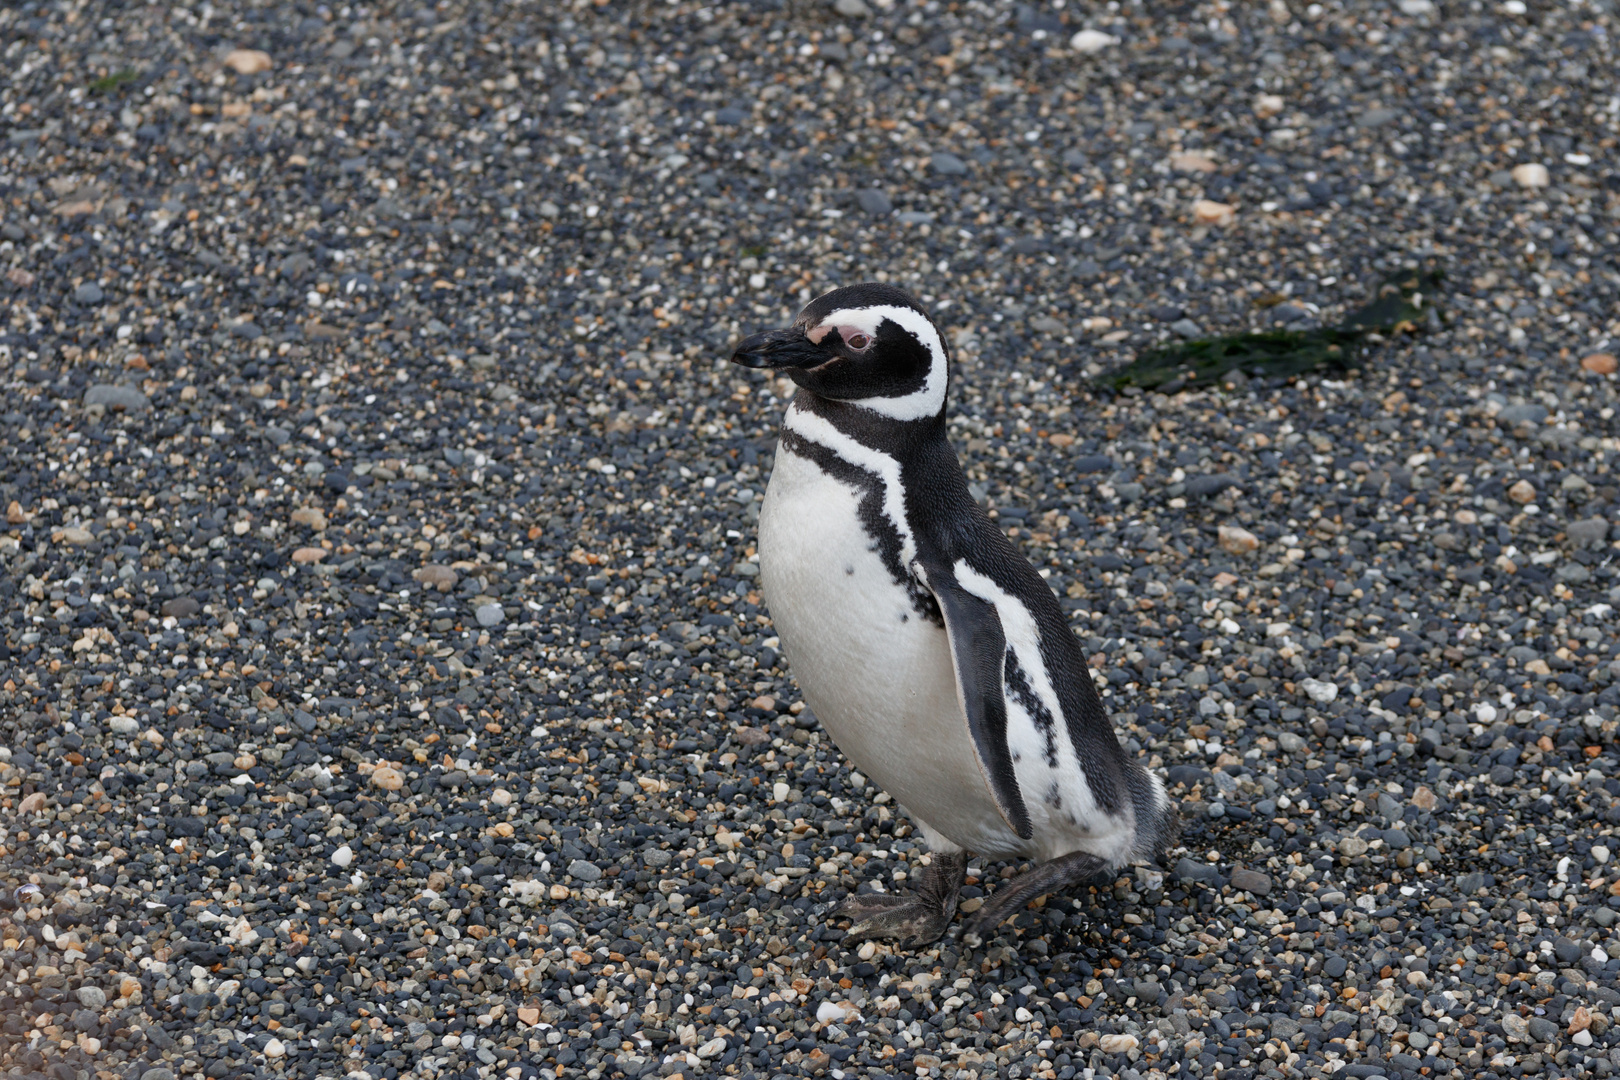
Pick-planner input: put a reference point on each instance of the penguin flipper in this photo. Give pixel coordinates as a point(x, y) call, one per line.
point(978, 653)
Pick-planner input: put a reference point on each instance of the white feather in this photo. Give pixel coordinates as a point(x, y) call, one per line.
point(887, 470)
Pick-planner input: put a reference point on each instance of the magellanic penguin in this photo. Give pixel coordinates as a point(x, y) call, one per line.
point(931, 650)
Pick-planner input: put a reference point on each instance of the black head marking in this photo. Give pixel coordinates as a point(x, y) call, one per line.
point(871, 343)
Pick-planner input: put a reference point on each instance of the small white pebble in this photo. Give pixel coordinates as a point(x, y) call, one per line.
point(343, 856)
point(829, 1012)
point(1092, 41)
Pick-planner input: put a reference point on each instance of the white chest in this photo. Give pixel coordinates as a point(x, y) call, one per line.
point(875, 671)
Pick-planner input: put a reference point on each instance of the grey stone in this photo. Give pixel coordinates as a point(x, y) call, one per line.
point(181, 607)
point(1471, 883)
point(1376, 117)
point(115, 397)
point(1251, 881)
point(1212, 484)
point(277, 436)
point(947, 164)
point(1520, 414)
point(89, 293)
point(1501, 775)
point(1192, 870)
point(92, 997)
point(1284, 1027)
point(851, 9)
point(1187, 328)
point(873, 202)
point(584, 871)
point(490, 615)
point(1290, 742)
point(1588, 532)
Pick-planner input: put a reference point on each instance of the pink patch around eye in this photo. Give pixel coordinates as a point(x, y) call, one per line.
point(818, 333)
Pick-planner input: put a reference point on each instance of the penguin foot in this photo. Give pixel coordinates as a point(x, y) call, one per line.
point(1037, 881)
point(916, 920)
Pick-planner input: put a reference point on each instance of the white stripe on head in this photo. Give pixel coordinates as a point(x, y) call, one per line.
point(819, 430)
point(919, 404)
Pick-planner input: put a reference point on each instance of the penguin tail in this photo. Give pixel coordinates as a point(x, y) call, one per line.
point(1158, 818)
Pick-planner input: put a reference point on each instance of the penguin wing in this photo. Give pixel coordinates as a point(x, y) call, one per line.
point(978, 653)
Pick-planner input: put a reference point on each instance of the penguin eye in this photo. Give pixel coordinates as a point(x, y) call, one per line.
point(857, 339)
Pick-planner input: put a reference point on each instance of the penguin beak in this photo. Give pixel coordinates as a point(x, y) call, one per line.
point(779, 349)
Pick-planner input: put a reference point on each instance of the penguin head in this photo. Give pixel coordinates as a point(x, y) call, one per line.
point(871, 345)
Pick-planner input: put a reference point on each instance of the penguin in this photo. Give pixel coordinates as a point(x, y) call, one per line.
point(933, 653)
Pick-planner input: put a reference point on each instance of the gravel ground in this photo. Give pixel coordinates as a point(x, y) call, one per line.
point(385, 688)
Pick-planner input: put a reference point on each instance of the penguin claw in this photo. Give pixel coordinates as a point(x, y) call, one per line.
point(908, 919)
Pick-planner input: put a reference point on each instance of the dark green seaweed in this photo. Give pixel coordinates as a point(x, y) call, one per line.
point(1403, 302)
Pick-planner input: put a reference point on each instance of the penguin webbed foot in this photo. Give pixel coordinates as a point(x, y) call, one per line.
point(915, 920)
point(1047, 877)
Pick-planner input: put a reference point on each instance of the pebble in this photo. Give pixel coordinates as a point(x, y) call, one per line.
point(1210, 212)
point(872, 201)
point(1090, 41)
point(116, 397)
point(1600, 363)
point(947, 164)
point(306, 556)
point(248, 61)
point(490, 615)
point(311, 516)
point(1251, 881)
point(387, 778)
point(1522, 491)
point(1268, 105)
point(434, 576)
point(1236, 540)
point(343, 856)
point(829, 1012)
point(1531, 175)
point(1190, 162)
point(1320, 690)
